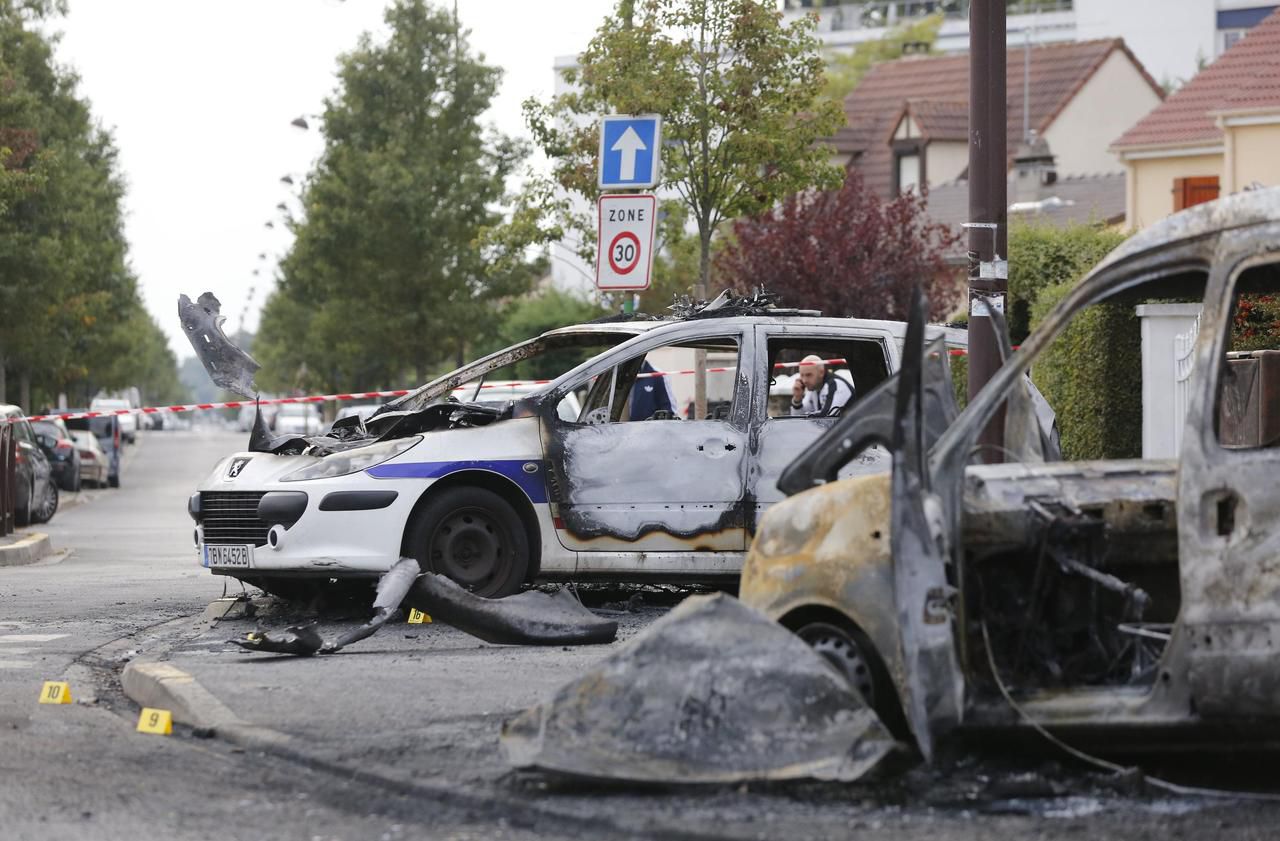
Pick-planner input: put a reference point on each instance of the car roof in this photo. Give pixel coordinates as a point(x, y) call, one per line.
point(713, 324)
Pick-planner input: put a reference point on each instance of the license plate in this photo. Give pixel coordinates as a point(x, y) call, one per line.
point(228, 556)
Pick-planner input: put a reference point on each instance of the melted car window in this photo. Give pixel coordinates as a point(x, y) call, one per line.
point(660, 385)
point(1248, 396)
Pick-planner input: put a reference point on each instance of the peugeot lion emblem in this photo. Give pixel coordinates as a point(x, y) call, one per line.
point(237, 467)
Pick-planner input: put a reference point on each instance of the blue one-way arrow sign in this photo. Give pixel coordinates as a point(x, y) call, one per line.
point(630, 148)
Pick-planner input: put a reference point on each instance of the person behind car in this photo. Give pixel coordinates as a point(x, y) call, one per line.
point(651, 394)
point(817, 392)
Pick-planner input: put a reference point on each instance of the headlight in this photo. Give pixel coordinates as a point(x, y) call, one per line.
point(351, 461)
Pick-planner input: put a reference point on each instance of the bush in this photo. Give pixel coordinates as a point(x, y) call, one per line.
point(1092, 376)
point(1041, 256)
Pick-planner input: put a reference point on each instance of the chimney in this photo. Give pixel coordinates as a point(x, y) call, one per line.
point(1033, 170)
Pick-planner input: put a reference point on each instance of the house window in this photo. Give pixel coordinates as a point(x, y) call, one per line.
point(1188, 192)
point(907, 175)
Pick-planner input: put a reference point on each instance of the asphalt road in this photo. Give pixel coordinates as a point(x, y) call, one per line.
point(397, 737)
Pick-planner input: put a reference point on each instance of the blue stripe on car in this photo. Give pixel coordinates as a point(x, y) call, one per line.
point(533, 484)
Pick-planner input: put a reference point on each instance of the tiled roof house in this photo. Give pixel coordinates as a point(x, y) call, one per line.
point(1218, 133)
point(908, 119)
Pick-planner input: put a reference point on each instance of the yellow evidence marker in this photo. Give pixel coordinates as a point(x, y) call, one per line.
point(55, 692)
point(417, 617)
point(155, 721)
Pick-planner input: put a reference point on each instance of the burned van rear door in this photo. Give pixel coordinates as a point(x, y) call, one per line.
point(1229, 499)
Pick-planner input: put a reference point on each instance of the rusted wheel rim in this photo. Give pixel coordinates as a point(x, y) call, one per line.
point(843, 653)
point(470, 546)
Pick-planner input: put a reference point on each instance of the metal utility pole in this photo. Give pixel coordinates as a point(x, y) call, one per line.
point(988, 200)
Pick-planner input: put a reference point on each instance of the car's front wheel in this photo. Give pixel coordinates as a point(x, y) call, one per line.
point(475, 537)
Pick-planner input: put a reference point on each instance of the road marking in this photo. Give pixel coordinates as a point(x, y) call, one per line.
point(16, 664)
point(4, 638)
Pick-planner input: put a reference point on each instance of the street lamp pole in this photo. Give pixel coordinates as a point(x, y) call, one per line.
point(988, 202)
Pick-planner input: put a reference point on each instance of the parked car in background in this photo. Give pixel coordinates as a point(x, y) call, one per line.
point(110, 435)
point(35, 480)
point(93, 461)
point(499, 392)
point(64, 458)
point(360, 410)
point(299, 419)
point(128, 422)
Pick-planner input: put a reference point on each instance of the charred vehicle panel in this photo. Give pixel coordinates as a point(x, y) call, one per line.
point(494, 496)
point(1106, 598)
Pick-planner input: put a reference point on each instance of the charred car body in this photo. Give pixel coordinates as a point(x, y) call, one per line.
point(1106, 598)
point(494, 496)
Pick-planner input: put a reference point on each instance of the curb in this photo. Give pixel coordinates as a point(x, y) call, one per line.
point(30, 548)
point(162, 686)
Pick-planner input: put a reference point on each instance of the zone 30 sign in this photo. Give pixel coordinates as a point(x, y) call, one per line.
point(625, 250)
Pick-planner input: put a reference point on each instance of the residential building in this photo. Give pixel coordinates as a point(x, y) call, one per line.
point(908, 119)
point(1170, 37)
point(1216, 135)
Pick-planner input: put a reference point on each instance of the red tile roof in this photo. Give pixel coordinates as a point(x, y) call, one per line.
point(939, 119)
point(1247, 76)
point(1058, 71)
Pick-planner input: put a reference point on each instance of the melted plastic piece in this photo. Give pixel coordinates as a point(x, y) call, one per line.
point(530, 618)
point(714, 692)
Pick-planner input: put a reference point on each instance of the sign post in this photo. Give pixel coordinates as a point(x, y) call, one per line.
point(624, 251)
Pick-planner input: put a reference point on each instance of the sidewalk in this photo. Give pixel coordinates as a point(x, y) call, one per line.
point(24, 547)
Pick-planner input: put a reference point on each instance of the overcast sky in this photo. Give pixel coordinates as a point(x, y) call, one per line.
point(200, 94)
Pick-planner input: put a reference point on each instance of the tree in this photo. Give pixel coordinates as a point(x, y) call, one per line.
point(71, 318)
point(738, 94)
point(844, 252)
point(848, 68)
point(531, 316)
point(385, 275)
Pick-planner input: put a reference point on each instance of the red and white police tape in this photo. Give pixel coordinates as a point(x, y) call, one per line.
point(362, 395)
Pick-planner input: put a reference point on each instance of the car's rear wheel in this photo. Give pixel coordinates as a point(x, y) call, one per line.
point(474, 537)
point(48, 505)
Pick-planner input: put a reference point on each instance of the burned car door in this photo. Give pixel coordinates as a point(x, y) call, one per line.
point(1229, 500)
point(923, 593)
point(635, 472)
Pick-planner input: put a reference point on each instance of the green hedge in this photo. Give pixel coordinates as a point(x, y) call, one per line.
point(1092, 376)
point(1092, 373)
point(1041, 256)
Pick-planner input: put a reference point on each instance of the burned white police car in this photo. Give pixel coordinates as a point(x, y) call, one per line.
point(635, 482)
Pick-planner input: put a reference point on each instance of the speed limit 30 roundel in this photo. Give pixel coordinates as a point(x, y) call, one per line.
point(624, 252)
point(624, 258)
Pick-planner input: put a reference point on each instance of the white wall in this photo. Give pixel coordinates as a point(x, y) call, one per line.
point(1111, 101)
point(1167, 36)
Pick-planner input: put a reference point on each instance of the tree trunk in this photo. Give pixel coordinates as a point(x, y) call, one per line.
point(24, 391)
point(3, 385)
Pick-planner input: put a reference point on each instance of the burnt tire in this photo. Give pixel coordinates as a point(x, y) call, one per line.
point(852, 654)
point(474, 537)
